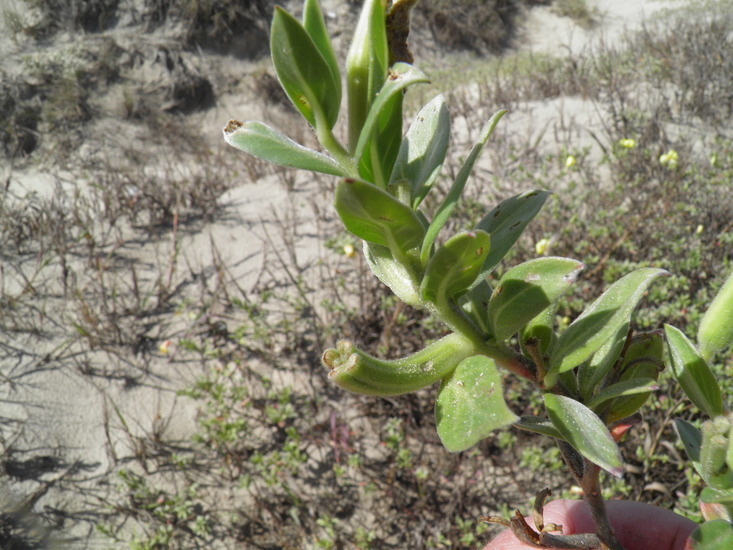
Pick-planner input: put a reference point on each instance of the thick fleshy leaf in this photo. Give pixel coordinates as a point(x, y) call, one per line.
point(716, 504)
point(710, 495)
point(454, 266)
point(691, 438)
point(506, 222)
point(693, 373)
point(422, 153)
point(713, 535)
point(315, 26)
point(526, 290)
point(601, 320)
point(379, 154)
point(265, 143)
point(716, 327)
point(305, 76)
point(470, 404)
point(401, 75)
point(539, 425)
point(623, 389)
point(642, 359)
point(376, 216)
point(454, 194)
point(539, 334)
point(593, 371)
point(392, 273)
point(580, 427)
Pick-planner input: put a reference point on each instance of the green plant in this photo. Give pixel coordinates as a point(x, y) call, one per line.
point(593, 375)
point(710, 448)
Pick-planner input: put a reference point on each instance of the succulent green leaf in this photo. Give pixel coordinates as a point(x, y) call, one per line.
point(304, 74)
point(580, 427)
point(691, 438)
point(693, 373)
point(454, 266)
point(358, 372)
point(540, 334)
point(601, 320)
point(506, 222)
point(475, 304)
point(376, 216)
point(710, 496)
point(642, 359)
point(401, 75)
point(622, 389)
point(593, 371)
point(422, 153)
point(396, 275)
point(265, 143)
point(315, 26)
point(470, 404)
point(716, 326)
point(378, 156)
point(713, 535)
point(451, 199)
point(538, 425)
point(526, 290)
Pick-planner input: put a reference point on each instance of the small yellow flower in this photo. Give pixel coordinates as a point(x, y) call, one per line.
point(669, 159)
point(542, 246)
point(165, 347)
point(714, 160)
point(699, 229)
point(570, 161)
point(349, 251)
point(627, 143)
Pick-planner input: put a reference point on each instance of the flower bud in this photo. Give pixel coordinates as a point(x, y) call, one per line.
point(359, 372)
point(366, 65)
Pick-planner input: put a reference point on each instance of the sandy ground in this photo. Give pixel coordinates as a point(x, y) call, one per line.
point(51, 409)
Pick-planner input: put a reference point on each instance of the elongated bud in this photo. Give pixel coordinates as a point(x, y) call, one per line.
point(713, 468)
point(359, 372)
point(716, 326)
point(366, 65)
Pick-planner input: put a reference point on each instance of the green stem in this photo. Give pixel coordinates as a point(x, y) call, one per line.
point(328, 140)
point(502, 354)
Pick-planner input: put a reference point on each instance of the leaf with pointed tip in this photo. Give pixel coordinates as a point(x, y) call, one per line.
point(716, 326)
point(539, 333)
point(526, 290)
point(451, 199)
point(691, 438)
point(400, 280)
point(693, 373)
point(376, 216)
point(538, 425)
point(454, 266)
point(422, 153)
point(580, 427)
point(379, 154)
point(601, 320)
point(263, 142)
point(401, 76)
point(594, 370)
point(305, 75)
point(642, 359)
point(470, 404)
point(315, 26)
point(623, 389)
point(506, 222)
